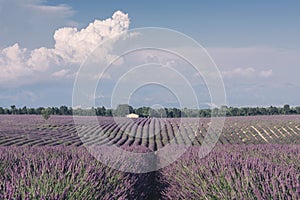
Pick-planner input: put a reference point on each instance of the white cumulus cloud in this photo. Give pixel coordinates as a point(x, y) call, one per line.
point(12, 62)
point(60, 73)
point(266, 73)
point(248, 72)
point(72, 46)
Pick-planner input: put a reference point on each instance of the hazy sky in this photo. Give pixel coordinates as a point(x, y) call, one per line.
point(255, 44)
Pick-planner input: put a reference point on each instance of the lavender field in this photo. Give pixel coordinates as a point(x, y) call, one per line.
point(33, 130)
point(255, 158)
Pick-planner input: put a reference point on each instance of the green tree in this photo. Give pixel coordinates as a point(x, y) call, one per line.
point(273, 110)
point(233, 111)
point(297, 110)
point(123, 109)
point(13, 109)
point(143, 111)
point(109, 112)
point(153, 113)
point(24, 110)
point(39, 110)
point(7, 111)
point(286, 109)
point(63, 110)
point(31, 111)
point(100, 111)
point(46, 113)
point(176, 112)
point(263, 111)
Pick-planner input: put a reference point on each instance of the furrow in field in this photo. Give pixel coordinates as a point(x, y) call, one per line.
point(293, 130)
point(138, 134)
point(13, 141)
point(152, 135)
point(251, 135)
point(272, 132)
point(259, 133)
point(279, 131)
point(286, 131)
point(123, 131)
point(262, 130)
point(159, 132)
point(130, 132)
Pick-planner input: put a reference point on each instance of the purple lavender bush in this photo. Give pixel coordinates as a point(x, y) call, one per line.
point(60, 173)
point(235, 172)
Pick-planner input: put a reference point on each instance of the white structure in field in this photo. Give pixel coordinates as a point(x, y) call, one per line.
point(132, 115)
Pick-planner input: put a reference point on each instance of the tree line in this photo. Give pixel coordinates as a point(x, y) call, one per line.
point(124, 109)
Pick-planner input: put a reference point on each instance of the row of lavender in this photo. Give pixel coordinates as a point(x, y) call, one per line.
point(236, 172)
point(228, 172)
point(65, 173)
point(151, 133)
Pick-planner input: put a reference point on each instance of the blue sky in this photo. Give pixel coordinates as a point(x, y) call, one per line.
point(255, 45)
point(213, 23)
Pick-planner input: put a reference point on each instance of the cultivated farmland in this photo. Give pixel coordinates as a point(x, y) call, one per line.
point(154, 133)
point(255, 158)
